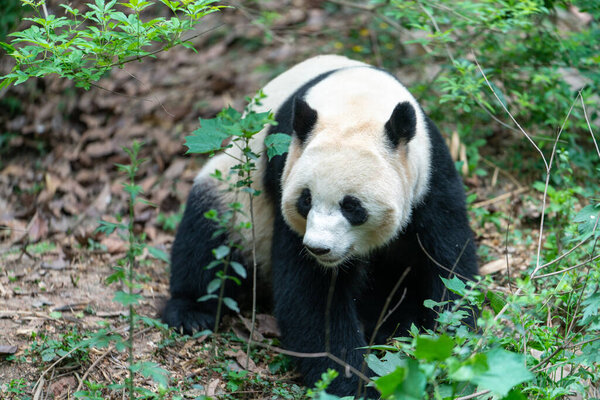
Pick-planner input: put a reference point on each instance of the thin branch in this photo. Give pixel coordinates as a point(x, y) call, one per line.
point(334, 274)
point(164, 48)
point(567, 269)
point(360, 6)
point(587, 120)
point(508, 112)
point(440, 265)
point(254, 273)
point(474, 395)
point(571, 250)
point(501, 197)
point(382, 319)
point(332, 357)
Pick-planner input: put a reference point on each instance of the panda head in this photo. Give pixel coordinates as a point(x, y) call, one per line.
point(350, 182)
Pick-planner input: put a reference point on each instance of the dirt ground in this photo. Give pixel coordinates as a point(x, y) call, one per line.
point(57, 179)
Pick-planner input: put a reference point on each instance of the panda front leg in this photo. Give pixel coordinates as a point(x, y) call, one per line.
point(191, 253)
point(300, 291)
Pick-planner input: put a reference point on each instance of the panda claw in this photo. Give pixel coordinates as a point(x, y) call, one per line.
point(186, 316)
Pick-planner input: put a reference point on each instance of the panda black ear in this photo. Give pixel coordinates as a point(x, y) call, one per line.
point(304, 119)
point(402, 125)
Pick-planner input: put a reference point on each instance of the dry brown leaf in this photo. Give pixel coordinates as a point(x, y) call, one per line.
point(62, 387)
point(211, 388)
point(114, 245)
point(495, 266)
point(267, 325)
point(37, 228)
point(240, 357)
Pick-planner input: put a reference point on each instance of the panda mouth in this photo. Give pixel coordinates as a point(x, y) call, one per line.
point(330, 262)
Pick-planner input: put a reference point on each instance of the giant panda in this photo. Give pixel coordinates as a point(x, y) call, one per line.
point(366, 191)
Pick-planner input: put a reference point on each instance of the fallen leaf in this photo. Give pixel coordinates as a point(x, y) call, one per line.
point(240, 357)
point(495, 266)
point(267, 325)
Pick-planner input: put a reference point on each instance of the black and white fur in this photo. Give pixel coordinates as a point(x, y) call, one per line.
point(367, 174)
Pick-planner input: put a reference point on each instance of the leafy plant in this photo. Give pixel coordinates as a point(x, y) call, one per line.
point(125, 273)
point(84, 45)
point(237, 130)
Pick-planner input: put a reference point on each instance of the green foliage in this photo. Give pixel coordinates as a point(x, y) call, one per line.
point(125, 274)
point(233, 131)
point(530, 75)
point(15, 389)
point(83, 46)
point(71, 347)
point(10, 16)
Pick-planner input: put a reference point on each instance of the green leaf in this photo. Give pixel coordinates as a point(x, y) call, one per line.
point(455, 285)
point(466, 370)
point(497, 301)
point(277, 144)
point(505, 371)
point(157, 253)
point(221, 252)
point(127, 299)
point(231, 304)
point(388, 384)
point(588, 219)
point(406, 382)
point(213, 285)
point(153, 371)
point(387, 364)
point(208, 138)
point(55, 315)
point(434, 349)
point(207, 297)
point(239, 269)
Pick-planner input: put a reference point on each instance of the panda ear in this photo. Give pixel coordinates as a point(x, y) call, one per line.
point(402, 125)
point(304, 119)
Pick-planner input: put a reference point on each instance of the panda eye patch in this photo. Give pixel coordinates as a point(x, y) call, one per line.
point(304, 203)
point(353, 210)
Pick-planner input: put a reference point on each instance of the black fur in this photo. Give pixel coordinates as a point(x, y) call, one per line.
point(300, 286)
point(402, 125)
point(304, 119)
point(353, 210)
point(191, 253)
point(304, 203)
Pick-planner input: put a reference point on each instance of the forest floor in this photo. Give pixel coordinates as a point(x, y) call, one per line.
point(58, 178)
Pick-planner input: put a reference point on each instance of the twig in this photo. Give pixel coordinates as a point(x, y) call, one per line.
point(472, 396)
point(137, 58)
point(254, 272)
point(587, 120)
point(328, 310)
point(440, 265)
point(567, 269)
point(332, 357)
point(382, 319)
point(506, 254)
point(501, 197)
point(510, 176)
point(101, 357)
point(360, 6)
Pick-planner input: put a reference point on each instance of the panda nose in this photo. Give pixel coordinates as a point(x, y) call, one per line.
point(318, 251)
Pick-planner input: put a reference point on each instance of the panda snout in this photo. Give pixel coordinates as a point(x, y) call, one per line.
point(318, 251)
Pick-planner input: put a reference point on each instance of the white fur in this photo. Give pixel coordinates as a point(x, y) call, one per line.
point(345, 155)
point(277, 91)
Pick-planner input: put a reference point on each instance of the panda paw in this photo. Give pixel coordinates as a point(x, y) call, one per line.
point(187, 316)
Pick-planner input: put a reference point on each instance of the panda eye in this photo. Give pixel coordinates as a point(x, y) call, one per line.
point(353, 210)
point(304, 203)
